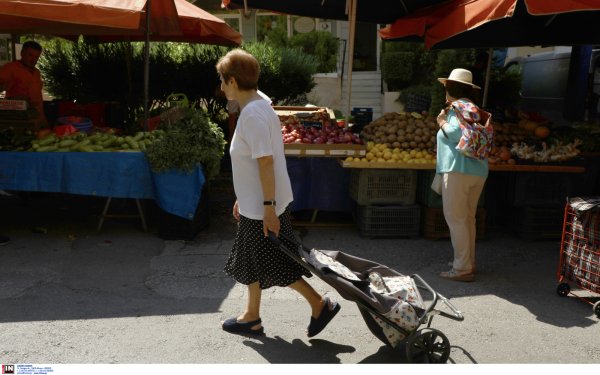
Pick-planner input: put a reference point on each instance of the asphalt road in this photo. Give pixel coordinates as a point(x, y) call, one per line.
point(72, 295)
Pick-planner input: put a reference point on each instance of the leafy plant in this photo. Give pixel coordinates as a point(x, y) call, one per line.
point(188, 142)
point(397, 69)
point(285, 73)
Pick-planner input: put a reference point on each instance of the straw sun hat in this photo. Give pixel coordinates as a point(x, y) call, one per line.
point(461, 76)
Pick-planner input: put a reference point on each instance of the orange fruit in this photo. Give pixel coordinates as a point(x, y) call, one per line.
point(541, 132)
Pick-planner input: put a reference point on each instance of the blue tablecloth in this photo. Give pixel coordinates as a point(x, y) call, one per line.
point(105, 174)
point(319, 184)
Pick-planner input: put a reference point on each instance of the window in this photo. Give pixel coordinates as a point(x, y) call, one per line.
point(233, 20)
point(267, 23)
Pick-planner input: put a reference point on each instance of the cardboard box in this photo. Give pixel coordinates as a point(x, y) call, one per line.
point(13, 105)
point(324, 150)
point(382, 165)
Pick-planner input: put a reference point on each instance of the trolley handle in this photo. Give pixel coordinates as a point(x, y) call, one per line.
point(456, 314)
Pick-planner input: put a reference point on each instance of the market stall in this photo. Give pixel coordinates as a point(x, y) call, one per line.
point(532, 171)
point(103, 174)
point(313, 144)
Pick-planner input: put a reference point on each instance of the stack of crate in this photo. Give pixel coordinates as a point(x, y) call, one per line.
point(538, 204)
point(385, 202)
point(433, 223)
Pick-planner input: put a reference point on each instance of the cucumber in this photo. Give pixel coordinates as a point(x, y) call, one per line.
point(47, 141)
point(138, 136)
point(86, 148)
point(67, 143)
point(47, 148)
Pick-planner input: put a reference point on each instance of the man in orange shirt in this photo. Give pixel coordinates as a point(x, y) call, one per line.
point(22, 80)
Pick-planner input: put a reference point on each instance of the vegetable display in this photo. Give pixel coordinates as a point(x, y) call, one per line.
point(190, 141)
point(98, 142)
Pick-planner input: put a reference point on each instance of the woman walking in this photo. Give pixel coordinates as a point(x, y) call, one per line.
point(263, 192)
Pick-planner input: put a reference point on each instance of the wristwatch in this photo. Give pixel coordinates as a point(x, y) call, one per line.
point(269, 203)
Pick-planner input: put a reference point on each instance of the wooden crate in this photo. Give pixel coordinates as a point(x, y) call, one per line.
point(434, 226)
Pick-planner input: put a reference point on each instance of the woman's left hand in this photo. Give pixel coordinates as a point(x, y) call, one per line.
point(270, 221)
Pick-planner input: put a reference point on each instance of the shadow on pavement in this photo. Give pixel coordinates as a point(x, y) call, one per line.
point(277, 350)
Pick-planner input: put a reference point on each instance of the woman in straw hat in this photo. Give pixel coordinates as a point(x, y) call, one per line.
point(463, 177)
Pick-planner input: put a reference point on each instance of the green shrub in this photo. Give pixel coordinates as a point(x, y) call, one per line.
point(286, 73)
point(321, 45)
point(114, 72)
point(447, 60)
point(417, 64)
point(397, 69)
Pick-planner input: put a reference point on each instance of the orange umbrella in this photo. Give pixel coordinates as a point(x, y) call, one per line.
point(495, 23)
point(116, 20)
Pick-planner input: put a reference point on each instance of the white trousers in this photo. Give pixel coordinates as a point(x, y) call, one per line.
point(460, 195)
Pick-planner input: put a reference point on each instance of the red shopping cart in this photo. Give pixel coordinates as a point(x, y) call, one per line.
point(580, 251)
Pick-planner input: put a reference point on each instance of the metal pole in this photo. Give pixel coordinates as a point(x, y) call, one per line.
point(147, 64)
point(488, 71)
point(352, 24)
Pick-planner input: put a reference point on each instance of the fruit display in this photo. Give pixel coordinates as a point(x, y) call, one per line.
point(293, 131)
point(98, 142)
point(319, 115)
point(501, 155)
point(406, 131)
point(382, 153)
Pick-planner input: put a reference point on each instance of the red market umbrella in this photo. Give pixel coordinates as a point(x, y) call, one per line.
point(500, 23)
point(117, 20)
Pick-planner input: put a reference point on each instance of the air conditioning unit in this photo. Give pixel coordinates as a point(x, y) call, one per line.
point(324, 26)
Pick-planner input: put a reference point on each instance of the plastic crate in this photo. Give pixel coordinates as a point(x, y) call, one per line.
point(542, 189)
point(434, 226)
point(383, 186)
point(172, 227)
point(428, 197)
point(538, 223)
point(388, 221)
point(362, 117)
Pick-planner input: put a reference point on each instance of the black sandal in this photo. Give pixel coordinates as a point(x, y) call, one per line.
point(317, 325)
point(232, 325)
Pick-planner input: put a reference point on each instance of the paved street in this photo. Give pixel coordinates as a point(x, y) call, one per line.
point(69, 294)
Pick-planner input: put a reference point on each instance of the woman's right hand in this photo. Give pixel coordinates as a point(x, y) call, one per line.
point(441, 118)
point(236, 211)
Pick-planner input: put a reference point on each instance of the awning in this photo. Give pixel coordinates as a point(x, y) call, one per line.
point(500, 23)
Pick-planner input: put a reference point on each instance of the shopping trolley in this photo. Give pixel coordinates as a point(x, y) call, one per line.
point(394, 306)
point(579, 260)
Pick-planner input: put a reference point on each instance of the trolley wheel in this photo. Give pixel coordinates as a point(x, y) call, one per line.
point(563, 289)
point(597, 309)
point(428, 346)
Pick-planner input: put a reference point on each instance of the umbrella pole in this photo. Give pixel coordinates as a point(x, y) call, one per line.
point(488, 71)
point(13, 47)
point(147, 64)
point(351, 7)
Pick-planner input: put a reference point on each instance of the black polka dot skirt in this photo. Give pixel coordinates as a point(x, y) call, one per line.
point(254, 257)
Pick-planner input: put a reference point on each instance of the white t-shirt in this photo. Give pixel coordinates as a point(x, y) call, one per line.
point(234, 107)
point(258, 134)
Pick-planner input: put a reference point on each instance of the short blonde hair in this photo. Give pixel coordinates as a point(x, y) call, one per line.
point(241, 66)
